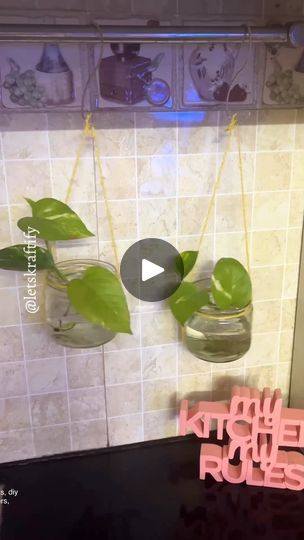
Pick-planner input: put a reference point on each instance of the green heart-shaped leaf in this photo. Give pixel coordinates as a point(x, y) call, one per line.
point(63, 228)
point(186, 301)
point(185, 262)
point(16, 258)
point(53, 220)
point(230, 284)
point(98, 296)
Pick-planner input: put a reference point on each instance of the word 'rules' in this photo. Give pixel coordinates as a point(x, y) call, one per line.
point(258, 426)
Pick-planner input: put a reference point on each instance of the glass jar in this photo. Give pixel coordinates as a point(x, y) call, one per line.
point(66, 325)
point(216, 335)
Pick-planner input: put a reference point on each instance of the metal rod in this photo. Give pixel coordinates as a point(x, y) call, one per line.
point(293, 34)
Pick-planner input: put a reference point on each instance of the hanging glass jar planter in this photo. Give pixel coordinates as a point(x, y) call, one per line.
point(217, 335)
point(67, 326)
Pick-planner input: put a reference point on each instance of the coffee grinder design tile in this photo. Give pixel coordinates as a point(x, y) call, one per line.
point(213, 73)
point(134, 75)
point(41, 76)
point(284, 77)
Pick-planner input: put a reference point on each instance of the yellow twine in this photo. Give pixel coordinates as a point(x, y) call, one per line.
point(89, 132)
point(230, 130)
point(244, 206)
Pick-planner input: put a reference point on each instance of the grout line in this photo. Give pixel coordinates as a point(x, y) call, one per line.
point(221, 194)
point(139, 318)
point(96, 187)
point(160, 155)
point(64, 349)
point(286, 249)
point(19, 309)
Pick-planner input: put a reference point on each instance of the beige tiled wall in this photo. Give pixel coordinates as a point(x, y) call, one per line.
point(160, 172)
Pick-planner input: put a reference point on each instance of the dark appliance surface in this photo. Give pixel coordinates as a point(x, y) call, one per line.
point(146, 491)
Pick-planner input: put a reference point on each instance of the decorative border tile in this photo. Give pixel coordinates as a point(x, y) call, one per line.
point(210, 72)
point(283, 83)
point(136, 76)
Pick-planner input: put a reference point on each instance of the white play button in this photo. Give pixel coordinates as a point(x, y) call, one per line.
point(150, 270)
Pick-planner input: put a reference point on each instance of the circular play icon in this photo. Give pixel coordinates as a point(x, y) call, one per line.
point(149, 270)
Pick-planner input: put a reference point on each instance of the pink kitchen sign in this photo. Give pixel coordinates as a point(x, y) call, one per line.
point(257, 426)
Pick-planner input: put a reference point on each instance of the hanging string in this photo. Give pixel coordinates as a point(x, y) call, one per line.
point(229, 130)
point(233, 125)
point(244, 206)
point(89, 132)
point(84, 135)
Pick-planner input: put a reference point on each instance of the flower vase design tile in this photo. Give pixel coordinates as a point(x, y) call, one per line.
point(134, 75)
point(41, 76)
point(284, 77)
point(212, 74)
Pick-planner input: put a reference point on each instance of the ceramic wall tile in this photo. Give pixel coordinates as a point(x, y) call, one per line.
point(17, 445)
point(39, 76)
point(296, 208)
point(257, 378)
point(120, 179)
point(135, 75)
point(156, 176)
point(9, 311)
point(49, 409)
point(264, 349)
point(88, 435)
point(122, 367)
point(247, 129)
point(286, 345)
point(198, 132)
point(209, 75)
point(156, 133)
point(223, 381)
point(189, 364)
point(52, 440)
point(273, 171)
point(12, 380)
point(125, 429)
point(11, 349)
point(159, 394)
point(284, 76)
point(158, 216)
point(159, 168)
point(85, 371)
point(196, 174)
point(267, 282)
point(291, 281)
point(14, 414)
point(276, 130)
point(22, 180)
point(159, 362)
point(46, 376)
point(160, 424)
point(124, 399)
point(87, 404)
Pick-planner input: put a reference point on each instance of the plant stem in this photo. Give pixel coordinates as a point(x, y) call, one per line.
point(55, 269)
point(60, 274)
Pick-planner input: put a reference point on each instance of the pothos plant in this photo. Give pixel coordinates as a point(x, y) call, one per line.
point(98, 295)
point(230, 288)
